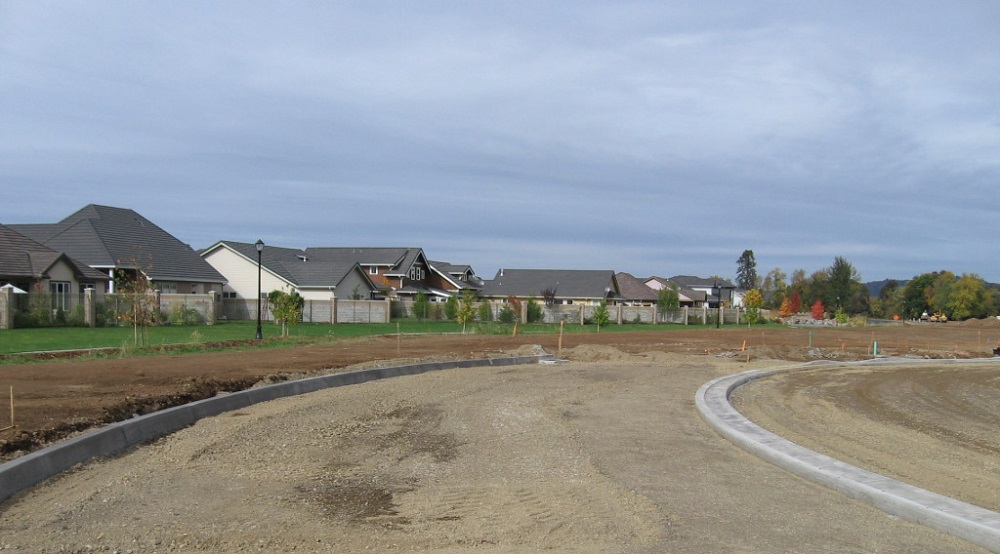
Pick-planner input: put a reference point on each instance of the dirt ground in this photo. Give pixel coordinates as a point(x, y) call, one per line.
point(602, 454)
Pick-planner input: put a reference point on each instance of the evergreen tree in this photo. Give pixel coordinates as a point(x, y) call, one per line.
point(746, 271)
point(421, 306)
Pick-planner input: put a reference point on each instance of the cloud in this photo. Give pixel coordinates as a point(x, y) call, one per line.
point(640, 136)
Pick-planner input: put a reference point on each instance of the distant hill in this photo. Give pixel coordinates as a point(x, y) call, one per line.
point(875, 287)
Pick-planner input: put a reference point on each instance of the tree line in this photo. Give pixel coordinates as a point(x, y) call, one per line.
point(838, 289)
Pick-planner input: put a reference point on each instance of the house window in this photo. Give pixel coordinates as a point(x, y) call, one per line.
point(167, 287)
point(60, 295)
point(227, 294)
point(372, 270)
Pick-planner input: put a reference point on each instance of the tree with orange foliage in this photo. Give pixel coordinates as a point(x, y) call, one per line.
point(786, 308)
point(796, 303)
point(817, 309)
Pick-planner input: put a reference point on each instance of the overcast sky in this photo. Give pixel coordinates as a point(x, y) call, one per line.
point(657, 138)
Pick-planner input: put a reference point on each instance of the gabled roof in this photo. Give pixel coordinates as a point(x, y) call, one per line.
point(567, 283)
point(106, 237)
point(295, 266)
point(399, 260)
point(691, 282)
point(631, 288)
point(452, 269)
point(20, 256)
point(453, 274)
point(685, 294)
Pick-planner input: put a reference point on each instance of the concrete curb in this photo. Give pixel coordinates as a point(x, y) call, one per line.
point(960, 519)
point(26, 471)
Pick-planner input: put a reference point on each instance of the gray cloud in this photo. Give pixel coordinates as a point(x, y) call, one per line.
point(642, 137)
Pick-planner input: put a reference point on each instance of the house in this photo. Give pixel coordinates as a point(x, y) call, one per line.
point(553, 286)
point(119, 241)
point(687, 298)
point(635, 292)
point(335, 272)
point(401, 272)
point(287, 269)
point(713, 287)
point(453, 279)
point(32, 267)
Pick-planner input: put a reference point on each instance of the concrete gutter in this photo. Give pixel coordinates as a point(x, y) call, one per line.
point(960, 519)
point(29, 470)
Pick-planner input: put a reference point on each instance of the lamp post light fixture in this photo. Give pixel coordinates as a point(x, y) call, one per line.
point(259, 245)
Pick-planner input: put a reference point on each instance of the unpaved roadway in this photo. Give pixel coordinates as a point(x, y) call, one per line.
point(602, 454)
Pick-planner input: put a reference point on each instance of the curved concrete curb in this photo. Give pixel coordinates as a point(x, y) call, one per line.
point(26, 471)
point(966, 521)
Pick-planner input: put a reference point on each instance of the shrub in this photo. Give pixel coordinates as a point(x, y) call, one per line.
point(535, 312)
point(184, 315)
point(485, 311)
point(436, 312)
point(76, 318)
point(421, 306)
point(507, 314)
point(451, 308)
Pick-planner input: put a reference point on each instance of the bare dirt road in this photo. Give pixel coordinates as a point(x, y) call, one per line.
point(602, 454)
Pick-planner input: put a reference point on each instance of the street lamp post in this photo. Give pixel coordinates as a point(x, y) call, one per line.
point(259, 245)
point(718, 319)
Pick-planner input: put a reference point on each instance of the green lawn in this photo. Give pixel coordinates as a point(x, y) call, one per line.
point(14, 341)
point(76, 338)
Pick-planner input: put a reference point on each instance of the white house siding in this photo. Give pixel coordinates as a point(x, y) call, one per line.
point(324, 294)
point(242, 274)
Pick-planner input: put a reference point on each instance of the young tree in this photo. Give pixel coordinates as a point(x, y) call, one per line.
point(466, 310)
point(753, 300)
point(549, 296)
point(795, 303)
point(601, 315)
point(746, 271)
point(286, 307)
point(817, 310)
point(137, 304)
point(668, 298)
point(786, 308)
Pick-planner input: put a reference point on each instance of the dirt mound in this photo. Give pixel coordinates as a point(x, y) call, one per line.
point(984, 323)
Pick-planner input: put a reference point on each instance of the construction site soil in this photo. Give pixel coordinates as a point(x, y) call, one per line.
point(605, 453)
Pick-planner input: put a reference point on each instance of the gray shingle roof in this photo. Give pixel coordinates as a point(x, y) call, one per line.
point(297, 266)
point(690, 281)
point(103, 236)
point(23, 257)
point(631, 288)
point(399, 259)
point(567, 283)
